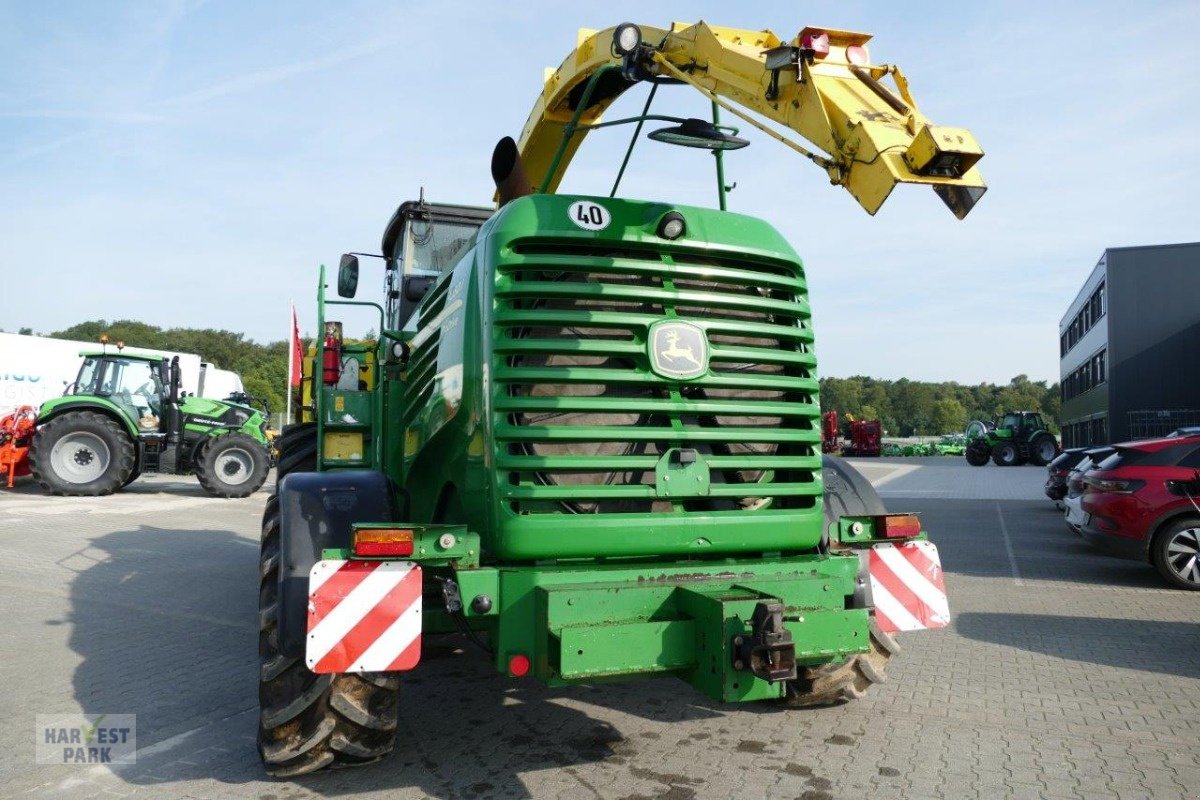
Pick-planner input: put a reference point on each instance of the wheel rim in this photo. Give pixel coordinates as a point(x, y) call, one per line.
point(80, 457)
point(1183, 554)
point(234, 466)
point(1046, 451)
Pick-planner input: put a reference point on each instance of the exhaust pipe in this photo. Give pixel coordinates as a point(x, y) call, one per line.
point(509, 172)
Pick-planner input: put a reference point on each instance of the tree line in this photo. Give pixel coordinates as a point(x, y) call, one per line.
point(917, 408)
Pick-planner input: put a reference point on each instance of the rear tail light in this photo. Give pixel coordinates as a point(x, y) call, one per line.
point(518, 665)
point(1112, 486)
point(382, 542)
point(817, 41)
point(898, 526)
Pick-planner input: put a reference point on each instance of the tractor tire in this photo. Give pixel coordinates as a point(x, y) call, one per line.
point(1005, 454)
point(978, 454)
point(133, 476)
point(828, 684)
point(1175, 553)
point(308, 722)
point(847, 493)
point(297, 450)
point(81, 454)
point(1042, 449)
point(232, 465)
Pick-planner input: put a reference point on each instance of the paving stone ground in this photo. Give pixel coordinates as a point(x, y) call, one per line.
point(1065, 673)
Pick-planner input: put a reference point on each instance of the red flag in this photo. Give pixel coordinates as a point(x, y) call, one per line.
point(297, 352)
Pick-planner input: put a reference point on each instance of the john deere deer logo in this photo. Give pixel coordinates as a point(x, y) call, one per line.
point(678, 350)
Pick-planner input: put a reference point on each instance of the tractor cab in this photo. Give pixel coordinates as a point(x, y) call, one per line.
point(135, 384)
point(422, 242)
point(1019, 424)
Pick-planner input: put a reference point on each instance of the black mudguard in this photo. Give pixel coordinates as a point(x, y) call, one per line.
point(849, 494)
point(316, 510)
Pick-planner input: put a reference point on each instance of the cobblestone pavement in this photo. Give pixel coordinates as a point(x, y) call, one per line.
point(1065, 674)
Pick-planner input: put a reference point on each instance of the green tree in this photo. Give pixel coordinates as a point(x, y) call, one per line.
point(948, 416)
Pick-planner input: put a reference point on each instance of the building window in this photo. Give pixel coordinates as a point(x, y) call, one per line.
point(1089, 375)
point(1091, 312)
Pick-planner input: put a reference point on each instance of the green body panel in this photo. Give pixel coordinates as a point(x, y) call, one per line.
point(212, 410)
point(457, 406)
point(599, 621)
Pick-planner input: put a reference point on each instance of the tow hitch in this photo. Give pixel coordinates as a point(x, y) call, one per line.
point(769, 652)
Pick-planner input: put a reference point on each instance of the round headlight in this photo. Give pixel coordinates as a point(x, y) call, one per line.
point(626, 38)
point(672, 225)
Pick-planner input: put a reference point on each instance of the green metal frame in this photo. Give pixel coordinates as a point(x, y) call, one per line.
point(573, 126)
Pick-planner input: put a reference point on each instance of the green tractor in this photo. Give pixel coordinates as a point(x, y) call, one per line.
point(125, 415)
point(1017, 438)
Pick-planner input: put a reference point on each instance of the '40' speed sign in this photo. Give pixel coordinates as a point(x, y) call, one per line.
point(588, 215)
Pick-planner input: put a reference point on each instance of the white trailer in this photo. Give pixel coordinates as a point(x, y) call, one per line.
point(34, 369)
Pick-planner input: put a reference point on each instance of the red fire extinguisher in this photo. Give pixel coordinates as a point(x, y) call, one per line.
point(332, 362)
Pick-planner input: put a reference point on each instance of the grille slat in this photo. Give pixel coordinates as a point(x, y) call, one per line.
point(651, 406)
point(675, 270)
point(590, 375)
point(641, 433)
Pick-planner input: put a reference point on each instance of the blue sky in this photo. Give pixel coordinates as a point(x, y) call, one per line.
point(190, 163)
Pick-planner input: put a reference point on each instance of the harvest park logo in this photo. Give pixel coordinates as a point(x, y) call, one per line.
point(86, 739)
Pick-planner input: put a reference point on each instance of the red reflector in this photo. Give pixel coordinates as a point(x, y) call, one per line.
point(857, 54)
point(817, 41)
point(899, 526)
point(518, 665)
point(382, 542)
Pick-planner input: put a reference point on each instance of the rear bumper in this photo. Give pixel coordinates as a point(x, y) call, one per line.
point(735, 629)
point(1113, 544)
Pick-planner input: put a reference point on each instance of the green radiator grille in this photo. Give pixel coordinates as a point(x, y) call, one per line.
point(582, 419)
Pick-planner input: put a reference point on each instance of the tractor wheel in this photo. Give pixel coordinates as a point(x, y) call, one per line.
point(133, 476)
point(1175, 553)
point(232, 465)
point(307, 721)
point(1042, 450)
point(297, 450)
point(977, 453)
point(1005, 455)
point(81, 454)
point(847, 493)
point(827, 684)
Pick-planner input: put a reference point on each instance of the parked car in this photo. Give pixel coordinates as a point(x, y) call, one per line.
point(1188, 430)
point(1073, 502)
point(1143, 502)
point(1058, 470)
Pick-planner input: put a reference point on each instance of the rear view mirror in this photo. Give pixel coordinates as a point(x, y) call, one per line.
point(347, 283)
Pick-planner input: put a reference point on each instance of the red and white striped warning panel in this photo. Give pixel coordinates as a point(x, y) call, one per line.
point(363, 616)
point(907, 583)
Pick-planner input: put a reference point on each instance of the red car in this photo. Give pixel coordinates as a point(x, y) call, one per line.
point(1143, 502)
